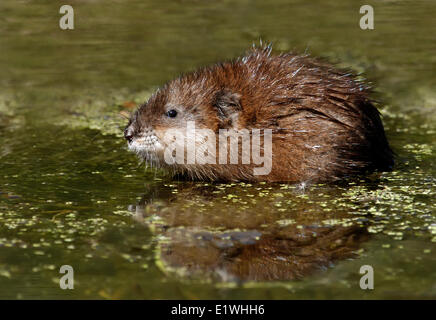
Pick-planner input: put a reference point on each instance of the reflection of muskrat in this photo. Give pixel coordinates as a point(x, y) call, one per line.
point(324, 126)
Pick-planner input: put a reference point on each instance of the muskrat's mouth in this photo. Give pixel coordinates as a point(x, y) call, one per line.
point(147, 148)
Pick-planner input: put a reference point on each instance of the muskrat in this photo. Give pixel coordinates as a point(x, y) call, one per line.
point(322, 124)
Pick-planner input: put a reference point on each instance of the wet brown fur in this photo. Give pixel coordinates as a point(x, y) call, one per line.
point(325, 126)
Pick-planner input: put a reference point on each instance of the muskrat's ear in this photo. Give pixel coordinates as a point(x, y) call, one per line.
point(228, 106)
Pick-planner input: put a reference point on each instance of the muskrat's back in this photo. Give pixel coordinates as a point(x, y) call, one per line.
point(324, 125)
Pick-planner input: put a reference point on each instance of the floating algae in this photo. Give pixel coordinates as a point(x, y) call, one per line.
point(107, 115)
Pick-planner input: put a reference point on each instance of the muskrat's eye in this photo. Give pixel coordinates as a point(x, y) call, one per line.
point(171, 113)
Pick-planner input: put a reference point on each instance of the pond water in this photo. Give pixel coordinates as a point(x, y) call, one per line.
point(71, 194)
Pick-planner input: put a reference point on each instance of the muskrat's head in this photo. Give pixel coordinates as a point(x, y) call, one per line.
point(170, 111)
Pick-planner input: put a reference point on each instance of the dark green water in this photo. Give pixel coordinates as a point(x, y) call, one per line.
point(70, 194)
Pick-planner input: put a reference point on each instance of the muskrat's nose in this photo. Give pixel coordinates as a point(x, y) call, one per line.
point(128, 134)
